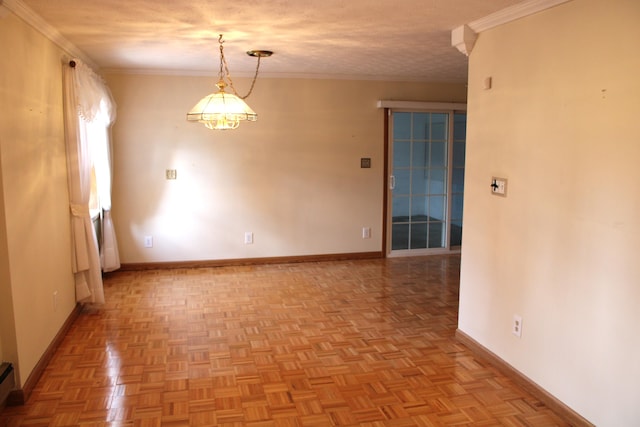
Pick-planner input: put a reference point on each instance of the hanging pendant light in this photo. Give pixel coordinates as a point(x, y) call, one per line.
point(222, 110)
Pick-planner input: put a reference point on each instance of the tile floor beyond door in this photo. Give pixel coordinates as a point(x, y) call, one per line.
point(349, 343)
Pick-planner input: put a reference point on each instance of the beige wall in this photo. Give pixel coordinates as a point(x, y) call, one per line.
point(7, 324)
point(293, 178)
point(561, 123)
point(34, 223)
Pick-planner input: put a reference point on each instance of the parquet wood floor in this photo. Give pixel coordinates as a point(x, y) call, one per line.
point(349, 343)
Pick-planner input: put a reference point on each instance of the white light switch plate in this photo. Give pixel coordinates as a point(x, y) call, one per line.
point(499, 186)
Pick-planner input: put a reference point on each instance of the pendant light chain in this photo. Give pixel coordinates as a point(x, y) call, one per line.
point(223, 63)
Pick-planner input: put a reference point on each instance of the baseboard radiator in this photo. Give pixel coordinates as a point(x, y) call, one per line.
point(7, 382)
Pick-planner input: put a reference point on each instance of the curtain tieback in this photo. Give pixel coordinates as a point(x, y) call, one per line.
point(80, 210)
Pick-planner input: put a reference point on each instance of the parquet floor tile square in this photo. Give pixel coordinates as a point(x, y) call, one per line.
point(345, 343)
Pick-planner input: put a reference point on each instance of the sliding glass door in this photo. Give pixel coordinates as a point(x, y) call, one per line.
point(426, 181)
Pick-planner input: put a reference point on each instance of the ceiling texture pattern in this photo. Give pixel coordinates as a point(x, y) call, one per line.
point(407, 40)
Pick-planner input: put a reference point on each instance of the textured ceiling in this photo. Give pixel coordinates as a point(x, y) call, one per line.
point(383, 39)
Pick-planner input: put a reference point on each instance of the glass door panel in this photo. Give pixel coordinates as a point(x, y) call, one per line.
point(420, 166)
point(457, 177)
point(426, 209)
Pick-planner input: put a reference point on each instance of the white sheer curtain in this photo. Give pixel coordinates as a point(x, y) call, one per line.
point(88, 111)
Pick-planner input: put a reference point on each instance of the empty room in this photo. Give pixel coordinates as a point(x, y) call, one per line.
point(318, 213)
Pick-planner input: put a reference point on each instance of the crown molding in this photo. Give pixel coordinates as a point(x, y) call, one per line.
point(463, 37)
point(269, 75)
point(43, 27)
point(512, 13)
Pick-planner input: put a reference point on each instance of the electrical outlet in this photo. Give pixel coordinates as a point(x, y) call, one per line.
point(171, 174)
point(148, 241)
point(366, 232)
point(248, 238)
point(516, 327)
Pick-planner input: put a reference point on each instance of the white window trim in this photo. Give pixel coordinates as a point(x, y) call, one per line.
point(422, 105)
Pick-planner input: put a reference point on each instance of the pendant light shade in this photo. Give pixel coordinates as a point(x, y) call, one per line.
point(221, 110)
point(224, 110)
